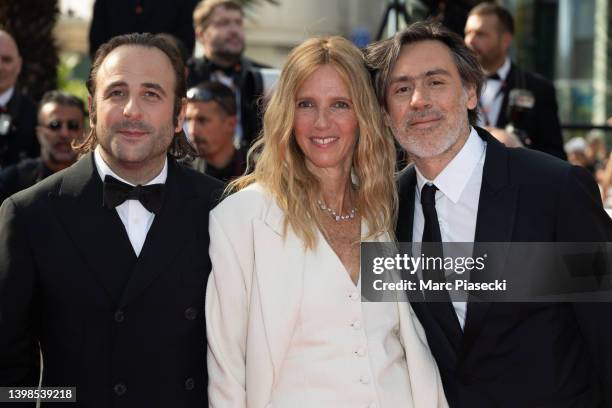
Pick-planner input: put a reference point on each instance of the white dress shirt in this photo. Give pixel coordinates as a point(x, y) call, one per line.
point(136, 219)
point(456, 199)
point(6, 96)
point(343, 353)
point(492, 97)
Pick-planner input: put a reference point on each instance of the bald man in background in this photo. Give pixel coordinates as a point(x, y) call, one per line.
point(17, 111)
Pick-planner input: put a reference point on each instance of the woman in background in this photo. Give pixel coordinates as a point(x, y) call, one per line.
point(285, 322)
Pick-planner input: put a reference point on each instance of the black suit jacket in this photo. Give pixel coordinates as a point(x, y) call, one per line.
point(525, 354)
point(542, 121)
point(20, 142)
point(127, 331)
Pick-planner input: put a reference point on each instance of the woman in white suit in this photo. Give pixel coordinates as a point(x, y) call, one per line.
point(285, 322)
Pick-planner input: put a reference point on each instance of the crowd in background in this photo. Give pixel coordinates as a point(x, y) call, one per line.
point(224, 76)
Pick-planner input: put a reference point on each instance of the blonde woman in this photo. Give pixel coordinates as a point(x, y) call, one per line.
point(285, 324)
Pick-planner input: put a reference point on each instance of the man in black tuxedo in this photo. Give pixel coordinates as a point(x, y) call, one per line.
point(512, 95)
point(104, 264)
point(17, 111)
point(465, 186)
point(218, 27)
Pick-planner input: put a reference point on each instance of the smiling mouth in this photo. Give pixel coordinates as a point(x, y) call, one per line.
point(132, 133)
point(323, 141)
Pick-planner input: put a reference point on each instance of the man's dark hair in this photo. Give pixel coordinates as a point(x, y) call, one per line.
point(506, 22)
point(382, 56)
point(61, 98)
point(180, 147)
point(214, 91)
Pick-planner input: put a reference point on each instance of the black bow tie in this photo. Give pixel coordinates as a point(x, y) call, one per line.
point(116, 192)
point(495, 76)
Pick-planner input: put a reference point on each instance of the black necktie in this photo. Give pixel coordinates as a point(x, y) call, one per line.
point(116, 192)
point(441, 306)
point(494, 76)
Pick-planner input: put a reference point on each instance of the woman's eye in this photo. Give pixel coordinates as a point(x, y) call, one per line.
point(304, 104)
point(341, 105)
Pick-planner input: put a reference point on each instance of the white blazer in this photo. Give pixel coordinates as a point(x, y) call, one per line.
point(252, 303)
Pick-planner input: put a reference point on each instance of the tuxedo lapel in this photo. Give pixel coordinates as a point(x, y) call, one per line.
point(96, 232)
point(170, 231)
point(494, 222)
point(406, 186)
point(509, 84)
point(279, 269)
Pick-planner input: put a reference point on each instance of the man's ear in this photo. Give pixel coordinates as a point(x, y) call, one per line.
point(40, 134)
point(506, 40)
point(386, 118)
point(199, 34)
point(472, 98)
point(231, 122)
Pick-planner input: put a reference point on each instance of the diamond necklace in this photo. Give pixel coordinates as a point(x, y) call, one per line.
point(335, 216)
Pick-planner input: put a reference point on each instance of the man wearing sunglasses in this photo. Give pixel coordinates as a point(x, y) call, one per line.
point(211, 120)
point(60, 121)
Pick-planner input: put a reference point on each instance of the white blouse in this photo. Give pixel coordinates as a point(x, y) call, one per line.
point(343, 353)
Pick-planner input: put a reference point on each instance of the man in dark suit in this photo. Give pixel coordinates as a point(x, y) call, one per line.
point(17, 111)
point(512, 96)
point(218, 27)
point(104, 265)
point(465, 186)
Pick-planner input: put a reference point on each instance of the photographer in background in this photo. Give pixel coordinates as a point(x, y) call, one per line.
point(522, 102)
point(17, 111)
point(218, 27)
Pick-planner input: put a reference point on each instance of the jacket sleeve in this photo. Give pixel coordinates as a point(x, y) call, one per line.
point(226, 321)
point(19, 357)
point(583, 219)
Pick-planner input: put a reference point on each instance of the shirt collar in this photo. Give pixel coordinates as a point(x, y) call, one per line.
point(104, 170)
point(454, 177)
point(6, 96)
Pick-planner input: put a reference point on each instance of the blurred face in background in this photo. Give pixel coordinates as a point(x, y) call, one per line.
point(58, 126)
point(486, 38)
point(210, 128)
point(10, 62)
point(223, 37)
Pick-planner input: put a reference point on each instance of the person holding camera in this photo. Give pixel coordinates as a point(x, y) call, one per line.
point(218, 27)
point(519, 101)
point(17, 111)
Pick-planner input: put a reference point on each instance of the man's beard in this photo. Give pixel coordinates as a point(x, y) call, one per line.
point(424, 145)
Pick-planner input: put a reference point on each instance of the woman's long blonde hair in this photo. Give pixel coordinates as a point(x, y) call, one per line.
point(281, 167)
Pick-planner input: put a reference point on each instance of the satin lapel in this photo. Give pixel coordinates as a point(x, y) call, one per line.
point(96, 232)
point(502, 119)
point(279, 269)
point(170, 230)
point(406, 185)
point(494, 222)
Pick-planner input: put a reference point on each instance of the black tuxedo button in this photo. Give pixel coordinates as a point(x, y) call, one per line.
point(191, 313)
point(189, 384)
point(119, 316)
point(120, 389)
